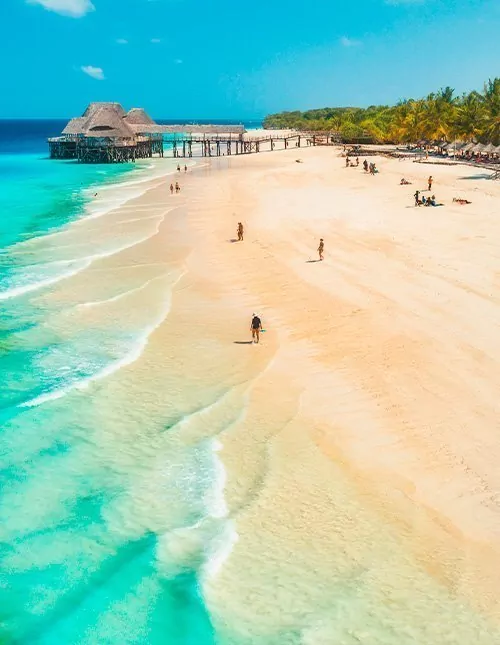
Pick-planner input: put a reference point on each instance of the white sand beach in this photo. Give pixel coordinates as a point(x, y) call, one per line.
point(360, 437)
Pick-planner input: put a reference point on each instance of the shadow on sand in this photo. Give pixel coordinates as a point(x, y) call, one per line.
point(481, 176)
point(242, 342)
point(312, 261)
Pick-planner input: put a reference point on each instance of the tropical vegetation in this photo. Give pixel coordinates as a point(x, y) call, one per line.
point(440, 116)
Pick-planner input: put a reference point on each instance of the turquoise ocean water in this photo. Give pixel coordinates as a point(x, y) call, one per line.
point(71, 568)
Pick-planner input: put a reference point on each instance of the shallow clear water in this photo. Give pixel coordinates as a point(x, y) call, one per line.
point(77, 564)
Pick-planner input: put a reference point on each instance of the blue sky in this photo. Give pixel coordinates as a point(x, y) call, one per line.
point(221, 59)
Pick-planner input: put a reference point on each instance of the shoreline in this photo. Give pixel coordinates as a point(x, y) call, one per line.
point(358, 439)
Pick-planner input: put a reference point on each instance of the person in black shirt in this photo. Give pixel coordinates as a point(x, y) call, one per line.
point(256, 327)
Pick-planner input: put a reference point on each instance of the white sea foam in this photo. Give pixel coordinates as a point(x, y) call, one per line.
point(82, 264)
point(74, 267)
point(129, 358)
point(223, 543)
point(222, 547)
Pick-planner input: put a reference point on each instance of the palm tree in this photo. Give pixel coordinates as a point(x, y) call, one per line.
point(469, 120)
point(491, 102)
point(439, 112)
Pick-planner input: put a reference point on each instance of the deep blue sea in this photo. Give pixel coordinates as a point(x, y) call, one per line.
point(65, 576)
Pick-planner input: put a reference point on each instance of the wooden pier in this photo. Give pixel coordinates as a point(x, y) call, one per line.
point(189, 145)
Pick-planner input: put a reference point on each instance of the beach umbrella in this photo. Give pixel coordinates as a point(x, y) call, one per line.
point(489, 148)
point(468, 147)
point(479, 147)
point(497, 150)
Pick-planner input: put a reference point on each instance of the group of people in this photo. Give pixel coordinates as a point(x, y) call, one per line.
point(429, 201)
point(350, 163)
point(370, 167)
point(176, 186)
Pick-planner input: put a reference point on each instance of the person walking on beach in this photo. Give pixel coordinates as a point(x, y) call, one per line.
point(177, 187)
point(171, 189)
point(321, 248)
point(178, 168)
point(417, 198)
point(429, 181)
point(365, 165)
point(347, 161)
point(239, 231)
point(256, 327)
point(185, 168)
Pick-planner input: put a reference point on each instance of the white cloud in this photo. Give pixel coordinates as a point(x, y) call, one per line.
point(94, 72)
point(122, 41)
point(156, 40)
point(349, 42)
point(71, 8)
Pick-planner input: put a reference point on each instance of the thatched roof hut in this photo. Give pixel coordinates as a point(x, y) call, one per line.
point(107, 121)
point(138, 116)
point(101, 120)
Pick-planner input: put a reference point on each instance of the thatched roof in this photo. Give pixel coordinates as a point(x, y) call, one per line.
point(110, 120)
point(106, 121)
point(138, 116)
point(94, 107)
point(75, 126)
point(490, 148)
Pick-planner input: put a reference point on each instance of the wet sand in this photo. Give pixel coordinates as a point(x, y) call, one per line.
point(359, 438)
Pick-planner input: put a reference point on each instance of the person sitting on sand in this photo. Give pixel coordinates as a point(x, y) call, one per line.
point(433, 201)
point(424, 201)
point(461, 201)
point(178, 168)
point(321, 248)
point(256, 327)
point(404, 182)
point(239, 232)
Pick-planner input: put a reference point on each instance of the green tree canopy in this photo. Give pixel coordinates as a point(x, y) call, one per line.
point(440, 116)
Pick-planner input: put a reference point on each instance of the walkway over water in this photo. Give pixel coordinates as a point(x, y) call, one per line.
point(210, 145)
